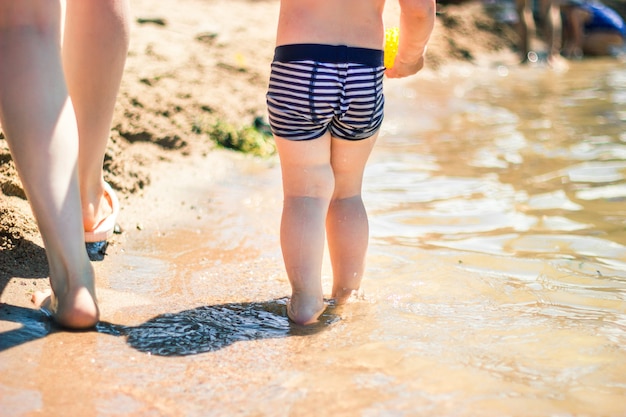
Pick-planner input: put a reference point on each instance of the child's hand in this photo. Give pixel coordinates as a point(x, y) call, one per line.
point(402, 69)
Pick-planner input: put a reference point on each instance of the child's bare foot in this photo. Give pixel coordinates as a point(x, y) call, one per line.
point(78, 310)
point(303, 309)
point(343, 295)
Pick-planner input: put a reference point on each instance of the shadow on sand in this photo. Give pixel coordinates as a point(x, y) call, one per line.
point(210, 328)
point(34, 323)
point(189, 332)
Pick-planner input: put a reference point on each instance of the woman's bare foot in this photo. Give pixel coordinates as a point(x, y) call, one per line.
point(304, 310)
point(76, 310)
point(93, 215)
point(99, 218)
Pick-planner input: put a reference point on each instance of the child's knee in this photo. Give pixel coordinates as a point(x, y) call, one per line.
point(317, 182)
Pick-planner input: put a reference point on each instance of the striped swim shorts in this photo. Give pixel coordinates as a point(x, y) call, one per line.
point(314, 88)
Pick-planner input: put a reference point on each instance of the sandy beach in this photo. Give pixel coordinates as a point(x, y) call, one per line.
point(192, 292)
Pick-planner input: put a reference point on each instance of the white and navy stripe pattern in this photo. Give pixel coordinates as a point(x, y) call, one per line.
point(314, 88)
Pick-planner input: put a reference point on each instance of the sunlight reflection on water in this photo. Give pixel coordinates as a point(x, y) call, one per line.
point(515, 202)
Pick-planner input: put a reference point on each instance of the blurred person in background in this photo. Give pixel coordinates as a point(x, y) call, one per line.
point(592, 28)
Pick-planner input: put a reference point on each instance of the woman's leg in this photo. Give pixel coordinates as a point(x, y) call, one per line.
point(347, 225)
point(95, 45)
point(307, 186)
point(40, 127)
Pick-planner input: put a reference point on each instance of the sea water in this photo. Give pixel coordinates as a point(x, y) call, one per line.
point(499, 243)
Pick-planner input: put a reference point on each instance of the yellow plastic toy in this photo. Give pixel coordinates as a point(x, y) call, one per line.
point(391, 45)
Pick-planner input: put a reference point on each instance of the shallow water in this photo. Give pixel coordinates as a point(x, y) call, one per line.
point(496, 279)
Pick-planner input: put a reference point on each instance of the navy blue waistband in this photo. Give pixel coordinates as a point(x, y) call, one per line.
point(332, 54)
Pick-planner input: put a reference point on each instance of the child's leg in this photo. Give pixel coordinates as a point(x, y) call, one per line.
point(347, 225)
point(39, 123)
point(95, 45)
point(307, 186)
